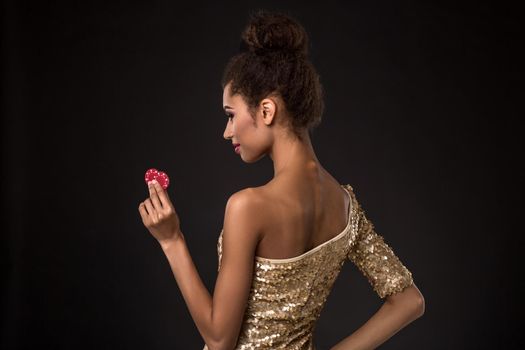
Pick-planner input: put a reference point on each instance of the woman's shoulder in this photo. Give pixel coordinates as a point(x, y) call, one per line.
point(248, 202)
point(258, 195)
point(258, 203)
point(250, 196)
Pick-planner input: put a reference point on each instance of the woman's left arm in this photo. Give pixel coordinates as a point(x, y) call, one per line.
point(389, 278)
point(397, 311)
point(218, 317)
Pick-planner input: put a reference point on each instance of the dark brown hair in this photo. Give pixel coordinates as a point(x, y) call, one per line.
point(273, 59)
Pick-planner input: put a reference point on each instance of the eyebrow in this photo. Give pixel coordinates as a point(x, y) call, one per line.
point(227, 107)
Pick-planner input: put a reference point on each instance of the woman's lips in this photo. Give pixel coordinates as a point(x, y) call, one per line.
point(237, 147)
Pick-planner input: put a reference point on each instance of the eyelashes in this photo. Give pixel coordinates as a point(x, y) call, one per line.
point(229, 115)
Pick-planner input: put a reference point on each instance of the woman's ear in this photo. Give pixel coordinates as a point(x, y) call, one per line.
point(268, 107)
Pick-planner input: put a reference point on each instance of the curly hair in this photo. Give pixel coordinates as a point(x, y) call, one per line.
point(273, 60)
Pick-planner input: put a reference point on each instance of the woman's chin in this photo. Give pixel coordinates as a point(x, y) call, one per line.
point(251, 159)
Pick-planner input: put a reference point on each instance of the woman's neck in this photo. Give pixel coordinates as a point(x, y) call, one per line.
point(291, 153)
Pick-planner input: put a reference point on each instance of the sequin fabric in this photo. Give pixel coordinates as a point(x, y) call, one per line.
point(288, 295)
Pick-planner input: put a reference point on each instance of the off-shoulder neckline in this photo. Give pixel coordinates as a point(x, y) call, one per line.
point(315, 249)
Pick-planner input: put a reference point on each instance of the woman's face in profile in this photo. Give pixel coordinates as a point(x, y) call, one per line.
point(252, 135)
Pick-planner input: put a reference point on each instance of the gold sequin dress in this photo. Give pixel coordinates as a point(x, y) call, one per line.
point(287, 295)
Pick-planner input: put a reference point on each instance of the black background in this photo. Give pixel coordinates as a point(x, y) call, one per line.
point(421, 119)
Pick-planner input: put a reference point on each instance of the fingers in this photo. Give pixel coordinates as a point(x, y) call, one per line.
point(154, 196)
point(162, 195)
point(156, 205)
point(143, 213)
point(152, 213)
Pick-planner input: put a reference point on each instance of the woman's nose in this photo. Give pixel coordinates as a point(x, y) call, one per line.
point(227, 133)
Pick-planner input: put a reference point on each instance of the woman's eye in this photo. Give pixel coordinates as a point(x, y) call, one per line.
point(230, 116)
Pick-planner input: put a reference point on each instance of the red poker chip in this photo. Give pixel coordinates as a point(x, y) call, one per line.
point(161, 177)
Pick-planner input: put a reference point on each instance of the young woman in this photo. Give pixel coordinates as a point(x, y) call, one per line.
point(282, 244)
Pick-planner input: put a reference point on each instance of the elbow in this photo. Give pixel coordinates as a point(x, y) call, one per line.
point(411, 300)
point(419, 306)
point(417, 302)
point(222, 339)
point(214, 346)
point(221, 345)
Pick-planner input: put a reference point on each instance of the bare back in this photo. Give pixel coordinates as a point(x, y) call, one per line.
point(300, 213)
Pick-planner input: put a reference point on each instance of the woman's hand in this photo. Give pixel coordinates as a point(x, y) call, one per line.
point(159, 215)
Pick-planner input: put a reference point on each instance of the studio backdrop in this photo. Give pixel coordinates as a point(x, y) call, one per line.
point(421, 119)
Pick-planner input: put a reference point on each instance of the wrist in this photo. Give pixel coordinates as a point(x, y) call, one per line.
point(167, 244)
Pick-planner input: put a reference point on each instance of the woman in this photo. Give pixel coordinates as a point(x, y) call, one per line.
point(282, 244)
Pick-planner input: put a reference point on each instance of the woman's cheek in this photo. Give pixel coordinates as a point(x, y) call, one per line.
point(241, 131)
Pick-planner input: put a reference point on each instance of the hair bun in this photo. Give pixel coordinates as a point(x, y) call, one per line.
point(273, 31)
